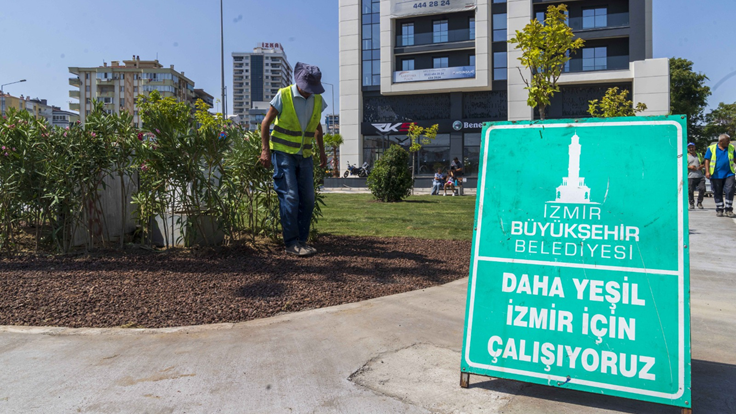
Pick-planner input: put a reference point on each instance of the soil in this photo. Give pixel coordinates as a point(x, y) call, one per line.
point(139, 288)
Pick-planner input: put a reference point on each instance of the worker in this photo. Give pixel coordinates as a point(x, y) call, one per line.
point(296, 111)
point(720, 170)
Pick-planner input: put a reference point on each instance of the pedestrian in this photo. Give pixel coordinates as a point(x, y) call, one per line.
point(720, 170)
point(296, 111)
point(695, 177)
point(437, 182)
point(458, 170)
point(450, 183)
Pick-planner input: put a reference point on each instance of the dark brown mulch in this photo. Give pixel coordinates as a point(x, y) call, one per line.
point(154, 290)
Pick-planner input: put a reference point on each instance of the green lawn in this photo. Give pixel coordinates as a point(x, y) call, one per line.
point(426, 217)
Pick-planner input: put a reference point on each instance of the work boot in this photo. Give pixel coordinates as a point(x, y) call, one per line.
point(729, 214)
point(719, 214)
point(297, 250)
point(692, 206)
point(700, 206)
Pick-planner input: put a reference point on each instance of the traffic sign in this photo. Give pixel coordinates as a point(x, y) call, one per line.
point(579, 273)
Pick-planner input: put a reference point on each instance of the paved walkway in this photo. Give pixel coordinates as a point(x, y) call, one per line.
point(397, 354)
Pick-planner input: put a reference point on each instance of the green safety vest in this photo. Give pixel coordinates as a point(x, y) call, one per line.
point(712, 149)
point(287, 135)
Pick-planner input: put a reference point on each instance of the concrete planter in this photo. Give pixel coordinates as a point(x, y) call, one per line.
point(211, 234)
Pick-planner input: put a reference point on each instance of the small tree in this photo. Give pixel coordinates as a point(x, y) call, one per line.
point(419, 137)
point(334, 141)
point(614, 104)
point(390, 180)
point(545, 50)
point(721, 120)
point(689, 97)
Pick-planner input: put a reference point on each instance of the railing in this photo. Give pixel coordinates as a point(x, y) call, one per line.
point(75, 81)
point(612, 20)
point(430, 38)
point(612, 63)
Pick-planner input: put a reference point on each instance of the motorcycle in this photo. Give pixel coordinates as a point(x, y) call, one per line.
point(355, 170)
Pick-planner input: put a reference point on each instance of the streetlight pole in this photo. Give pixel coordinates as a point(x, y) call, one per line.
point(222, 64)
point(332, 113)
point(3, 93)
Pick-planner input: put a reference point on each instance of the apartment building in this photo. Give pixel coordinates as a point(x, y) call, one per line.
point(257, 77)
point(118, 85)
point(38, 107)
point(63, 118)
point(450, 63)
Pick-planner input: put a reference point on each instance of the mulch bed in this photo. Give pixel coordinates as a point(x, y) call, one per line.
point(177, 288)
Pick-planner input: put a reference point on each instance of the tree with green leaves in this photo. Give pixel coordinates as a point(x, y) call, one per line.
point(689, 97)
point(419, 137)
point(614, 104)
point(334, 141)
point(720, 120)
point(545, 50)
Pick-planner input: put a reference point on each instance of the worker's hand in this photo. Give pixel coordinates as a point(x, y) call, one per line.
point(707, 175)
point(266, 158)
point(322, 159)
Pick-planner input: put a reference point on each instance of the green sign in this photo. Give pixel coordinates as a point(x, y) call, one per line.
point(579, 273)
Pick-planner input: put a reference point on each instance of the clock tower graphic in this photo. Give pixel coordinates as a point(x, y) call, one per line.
point(573, 189)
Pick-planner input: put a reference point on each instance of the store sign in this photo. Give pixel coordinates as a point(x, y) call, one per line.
point(460, 125)
point(400, 8)
point(580, 278)
point(458, 72)
point(264, 45)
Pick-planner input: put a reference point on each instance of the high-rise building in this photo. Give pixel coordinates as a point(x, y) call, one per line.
point(451, 64)
point(117, 86)
point(257, 77)
point(332, 124)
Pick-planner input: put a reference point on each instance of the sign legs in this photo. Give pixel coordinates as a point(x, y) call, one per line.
point(465, 382)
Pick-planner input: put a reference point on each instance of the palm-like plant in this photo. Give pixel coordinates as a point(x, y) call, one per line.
point(334, 141)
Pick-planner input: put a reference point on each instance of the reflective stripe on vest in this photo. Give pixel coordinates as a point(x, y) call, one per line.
point(712, 149)
point(287, 135)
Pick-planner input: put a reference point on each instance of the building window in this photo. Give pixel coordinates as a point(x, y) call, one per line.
point(471, 60)
point(122, 89)
point(539, 16)
point(595, 58)
point(86, 88)
point(407, 64)
point(471, 28)
point(593, 18)
point(471, 152)
point(407, 34)
point(499, 1)
point(500, 65)
point(371, 42)
point(499, 27)
point(440, 62)
point(439, 31)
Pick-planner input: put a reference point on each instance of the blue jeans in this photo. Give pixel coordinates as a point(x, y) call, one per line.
point(293, 180)
point(436, 187)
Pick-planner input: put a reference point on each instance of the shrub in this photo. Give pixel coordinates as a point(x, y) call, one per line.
point(390, 180)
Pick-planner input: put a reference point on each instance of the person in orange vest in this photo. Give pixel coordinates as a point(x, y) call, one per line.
point(720, 170)
point(296, 112)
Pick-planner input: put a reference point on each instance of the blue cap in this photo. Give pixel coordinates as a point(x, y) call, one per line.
point(691, 144)
point(308, 78)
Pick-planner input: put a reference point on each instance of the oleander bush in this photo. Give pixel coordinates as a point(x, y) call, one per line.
point(184, 166)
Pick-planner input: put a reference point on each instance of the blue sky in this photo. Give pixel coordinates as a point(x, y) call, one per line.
point(41, 39)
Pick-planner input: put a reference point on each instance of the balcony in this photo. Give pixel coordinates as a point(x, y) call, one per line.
point(611, 63)
point(608, 21)
point(430, 38)
point(74, 106)
point(75, 82)
point(74, 94)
